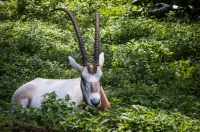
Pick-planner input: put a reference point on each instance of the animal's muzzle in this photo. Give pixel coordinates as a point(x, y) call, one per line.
point(95, 102)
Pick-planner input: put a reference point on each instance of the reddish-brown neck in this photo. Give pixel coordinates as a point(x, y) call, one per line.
point(104, 101)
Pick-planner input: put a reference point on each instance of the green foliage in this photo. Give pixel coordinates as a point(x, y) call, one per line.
point(132, 118)
point(151, 71)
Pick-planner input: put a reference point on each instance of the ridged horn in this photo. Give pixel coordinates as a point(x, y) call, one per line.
point(96, 41)
point(78, 34)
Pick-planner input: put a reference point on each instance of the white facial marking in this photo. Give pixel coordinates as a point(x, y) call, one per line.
point(91, 86)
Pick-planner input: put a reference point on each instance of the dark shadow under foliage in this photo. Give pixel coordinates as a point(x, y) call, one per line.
point(171, 10)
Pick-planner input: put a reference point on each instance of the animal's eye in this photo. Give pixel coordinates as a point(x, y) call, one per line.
point(83, 80)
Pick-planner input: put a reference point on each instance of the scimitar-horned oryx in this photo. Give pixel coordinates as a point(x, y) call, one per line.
point(87, 88)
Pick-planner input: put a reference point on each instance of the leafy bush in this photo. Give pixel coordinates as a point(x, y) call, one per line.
point(66, 118)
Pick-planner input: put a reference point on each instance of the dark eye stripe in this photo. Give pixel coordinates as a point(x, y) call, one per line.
point(83, 80)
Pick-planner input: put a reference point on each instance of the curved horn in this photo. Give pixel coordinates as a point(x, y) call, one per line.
point(96, 43)
point(78, 34)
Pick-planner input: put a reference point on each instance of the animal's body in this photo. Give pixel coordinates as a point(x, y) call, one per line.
point(87, 88)
point(31, 93)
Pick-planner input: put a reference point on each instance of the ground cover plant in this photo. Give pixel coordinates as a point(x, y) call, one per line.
point(151, 72)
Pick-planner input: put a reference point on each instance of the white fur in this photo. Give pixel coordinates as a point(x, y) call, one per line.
point(61, 88)
point(24, 102)
point(31, 93)
point(91, 78)
point(74, 64)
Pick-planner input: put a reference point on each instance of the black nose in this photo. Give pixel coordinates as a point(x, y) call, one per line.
point(95, 102)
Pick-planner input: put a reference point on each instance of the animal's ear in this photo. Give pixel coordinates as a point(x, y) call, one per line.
point(75, 65)
point(101, 59)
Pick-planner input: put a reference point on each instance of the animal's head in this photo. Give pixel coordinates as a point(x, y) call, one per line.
point(90, 74)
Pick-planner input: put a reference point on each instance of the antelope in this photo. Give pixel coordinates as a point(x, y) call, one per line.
point(87, 88)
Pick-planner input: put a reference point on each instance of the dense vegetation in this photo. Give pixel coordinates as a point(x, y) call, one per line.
point(151, 72)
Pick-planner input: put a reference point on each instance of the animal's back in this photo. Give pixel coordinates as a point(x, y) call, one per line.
point(31, 93)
